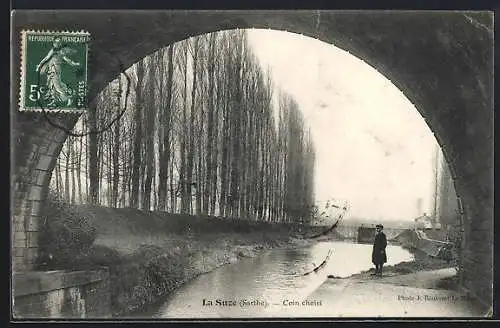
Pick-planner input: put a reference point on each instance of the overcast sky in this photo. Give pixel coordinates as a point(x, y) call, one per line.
point(373, 147)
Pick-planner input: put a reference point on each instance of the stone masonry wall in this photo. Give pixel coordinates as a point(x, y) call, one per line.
point(478, 257)
point(36, 146)
point(56, 294)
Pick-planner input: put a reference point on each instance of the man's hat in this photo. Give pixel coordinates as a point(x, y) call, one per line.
point(379, 226)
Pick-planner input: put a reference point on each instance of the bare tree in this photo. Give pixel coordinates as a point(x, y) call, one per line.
point(136, 168)
point(150, 114)
point(93, 160)
point(165, 148)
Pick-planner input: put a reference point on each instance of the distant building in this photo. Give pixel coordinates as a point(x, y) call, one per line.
point(423, 222)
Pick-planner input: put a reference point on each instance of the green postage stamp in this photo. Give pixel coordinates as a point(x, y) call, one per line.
point(54, 71)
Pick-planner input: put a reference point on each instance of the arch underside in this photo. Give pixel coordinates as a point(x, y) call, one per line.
point(442, 62)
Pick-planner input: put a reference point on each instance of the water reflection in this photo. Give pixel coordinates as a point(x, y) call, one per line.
point(258, 287)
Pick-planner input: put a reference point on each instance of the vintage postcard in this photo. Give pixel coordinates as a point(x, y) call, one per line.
point(251, 164)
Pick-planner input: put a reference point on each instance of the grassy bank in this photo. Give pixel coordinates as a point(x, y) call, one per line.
point(149, 254)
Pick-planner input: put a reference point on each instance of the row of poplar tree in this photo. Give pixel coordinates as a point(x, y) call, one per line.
point(203, 132)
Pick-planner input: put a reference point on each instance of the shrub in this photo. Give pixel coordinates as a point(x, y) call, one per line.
point(65, 233)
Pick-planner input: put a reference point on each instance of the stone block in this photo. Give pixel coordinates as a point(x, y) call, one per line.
point(44, 281)
point(19, 242)
point(32, 237)
point(39, 177)
point(90, 301)
point(18, 226)
point(45, 162)
point(19, 235)
point(36, 207)
point(36, 193)
point(52, 148)
point(33, 223)
point(27, 208)
point(34, 153)
point(17, 211)
point(36, 282)
point(31, 254)
point(18, 251)
point(32, 306)
point(20, 265)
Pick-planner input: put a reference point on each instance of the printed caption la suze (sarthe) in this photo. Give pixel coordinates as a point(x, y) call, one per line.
point(259, 303)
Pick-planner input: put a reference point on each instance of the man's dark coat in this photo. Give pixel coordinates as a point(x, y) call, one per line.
point(379, 245)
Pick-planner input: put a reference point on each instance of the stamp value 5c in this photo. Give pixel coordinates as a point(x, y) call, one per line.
point(54, 71)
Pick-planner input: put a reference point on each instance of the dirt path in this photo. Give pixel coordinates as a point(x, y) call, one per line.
point(431, 279)
point(425, 287)
point(374, 297)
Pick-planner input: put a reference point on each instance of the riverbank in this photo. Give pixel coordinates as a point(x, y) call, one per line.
point(424, 287)
point(277, 281)
point(394, 296)
point(150, 254)
point(153, 272)
point(421, 262)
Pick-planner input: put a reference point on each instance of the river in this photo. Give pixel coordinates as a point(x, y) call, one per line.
point(263, 286)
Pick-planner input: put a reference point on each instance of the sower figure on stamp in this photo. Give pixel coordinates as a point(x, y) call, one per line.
point(57, 90)
point(379, 256)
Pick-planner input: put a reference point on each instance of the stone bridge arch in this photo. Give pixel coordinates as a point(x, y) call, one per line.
point(441, 61)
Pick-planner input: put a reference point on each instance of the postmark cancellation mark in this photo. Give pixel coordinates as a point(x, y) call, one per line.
point(54, 71)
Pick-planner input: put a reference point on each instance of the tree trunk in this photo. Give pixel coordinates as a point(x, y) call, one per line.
point(79, 170)
point(66, 171)
point(136, 167)
point(73, 170)
point(93, 159)
point(58, 178)
point(210, 125)
point(192, 115)
point(185, 198)
point(149, 137)
point(165, 143)
point(116, 148)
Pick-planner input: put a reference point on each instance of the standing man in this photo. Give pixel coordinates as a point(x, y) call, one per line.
point(378, 254)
